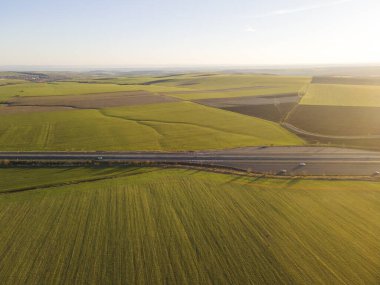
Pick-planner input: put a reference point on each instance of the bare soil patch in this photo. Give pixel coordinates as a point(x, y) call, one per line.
point(272, 107)
point(271, 112)
point(250, 100)
point(216, 90)
point(93, 101)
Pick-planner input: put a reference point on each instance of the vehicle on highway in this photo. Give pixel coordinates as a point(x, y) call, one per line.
point(283, 171)
point(302, 164)
point(100, 157)
point(377, 173)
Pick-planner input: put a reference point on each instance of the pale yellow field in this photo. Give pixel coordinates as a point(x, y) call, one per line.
point(342, 95)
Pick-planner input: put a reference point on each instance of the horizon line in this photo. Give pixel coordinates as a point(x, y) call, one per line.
point(8, 67)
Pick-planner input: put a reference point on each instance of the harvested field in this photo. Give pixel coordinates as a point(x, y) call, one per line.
point(273, 108)
point(250, 100)
point(346, 80)
point(271, 112)
point(221, 90)
point(237, 93)
point(93, 101)
point(336, 120)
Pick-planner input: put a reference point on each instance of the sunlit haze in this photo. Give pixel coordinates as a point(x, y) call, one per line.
point(197, 32)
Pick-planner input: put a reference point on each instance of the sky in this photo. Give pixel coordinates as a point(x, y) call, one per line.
point(189, 32)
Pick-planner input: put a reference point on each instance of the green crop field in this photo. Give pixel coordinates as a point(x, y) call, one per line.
point(342, 95)
point(4, 81)
point(188, 227)
point(72, 130)
point(185, 122)
point(228, 81)
point(234, 85)
point(171, 126)
point(187, 86)
point(260, 91)
point(21, 178)
point(133, 80)
point(73, 88)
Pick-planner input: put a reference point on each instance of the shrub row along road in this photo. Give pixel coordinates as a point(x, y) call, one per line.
point(273, 160)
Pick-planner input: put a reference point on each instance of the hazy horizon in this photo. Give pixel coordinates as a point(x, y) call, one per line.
point(216, 67)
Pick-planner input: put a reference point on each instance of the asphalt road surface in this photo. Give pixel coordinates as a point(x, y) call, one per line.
point(273, 160)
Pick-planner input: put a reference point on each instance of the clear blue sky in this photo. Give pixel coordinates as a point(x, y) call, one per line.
point(188, 32)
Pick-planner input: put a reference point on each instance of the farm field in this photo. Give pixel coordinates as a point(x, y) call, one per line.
point(212, 228)
point(350, 80)
point(271, 112)
point(128, 106)
point(230, 81)
point(135, 113)
point(190, 142)
point(273, 108)
point(4, 82)
point(337, 120)
point(121, 80)
point(72, 88)
point(200, 86)
point(167, 126)
point(97, 101)
point(349, 114)
point(342, 95)
point(231, 93)
point(23, 178)
point(230, 86)
point(174, 119)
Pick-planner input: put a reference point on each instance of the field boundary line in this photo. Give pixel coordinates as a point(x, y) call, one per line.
point(73, 182)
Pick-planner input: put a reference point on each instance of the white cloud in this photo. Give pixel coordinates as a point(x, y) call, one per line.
point(302, 9)
point(250, 29)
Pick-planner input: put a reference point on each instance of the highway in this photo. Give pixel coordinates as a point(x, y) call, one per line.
point(271, 160)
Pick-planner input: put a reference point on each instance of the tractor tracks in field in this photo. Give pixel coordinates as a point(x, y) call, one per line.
point(146, 122)
point(141, 123)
